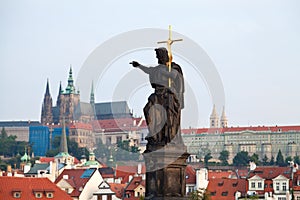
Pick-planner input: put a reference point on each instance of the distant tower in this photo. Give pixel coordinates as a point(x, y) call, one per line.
point(92, 96)
point(46, 116)
point(224, 120)
point(69, 101)
point(214, 119)
point(59, 96)
point(63, 140)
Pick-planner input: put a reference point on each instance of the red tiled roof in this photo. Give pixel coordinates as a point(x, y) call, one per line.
point(135, 181)
point(49, 159)
point(213, 175)
point(190, 175)
point(239, 129)
point(118, 189)
point(271, 172)
point(227, 187)
point(120, 124)
point(27, 186)
point(125, 171)
point(46, 159)
point(80, 125)
point(77, 182)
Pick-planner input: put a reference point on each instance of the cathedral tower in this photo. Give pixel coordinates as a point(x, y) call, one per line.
point(70, 99)
point(46, 116)
point(224, 120)
point(214, 119)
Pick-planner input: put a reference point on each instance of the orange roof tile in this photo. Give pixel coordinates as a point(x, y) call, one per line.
point(224, 189)
point(190, 173)
point(118, 189)
point(27, 186)
point(120, 124)
point(77, 182)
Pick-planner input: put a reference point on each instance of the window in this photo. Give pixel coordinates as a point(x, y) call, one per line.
point(281, 198)
point(213, 193)
point(17, 194)
point(284, 186)
point(259, 185)
point(119, 139)
point(38, 195)
point(277, 186)
point(253, 185)
point(224, 193)
point(49, 195)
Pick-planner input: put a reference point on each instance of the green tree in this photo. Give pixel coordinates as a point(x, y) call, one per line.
point(288, 160)
point(272, 161)
point(73, 148)
point(279, 159)
point(224, 157)
point(255, 158)
point(9, 147)
point(297, 159)
point(207, 157)
point(125, 152)
point(241, 159)
point(265, 160)
point(199, 195)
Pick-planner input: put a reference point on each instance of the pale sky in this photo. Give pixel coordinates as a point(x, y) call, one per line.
point(254, 45)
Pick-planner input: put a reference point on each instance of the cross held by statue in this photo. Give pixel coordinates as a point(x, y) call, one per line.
point(169, 43)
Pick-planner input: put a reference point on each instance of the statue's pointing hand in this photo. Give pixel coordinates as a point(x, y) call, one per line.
point(135, 64)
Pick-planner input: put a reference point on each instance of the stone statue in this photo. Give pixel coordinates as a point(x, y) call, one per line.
point(163, 110)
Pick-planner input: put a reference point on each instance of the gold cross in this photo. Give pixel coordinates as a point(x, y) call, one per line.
point(169, 43)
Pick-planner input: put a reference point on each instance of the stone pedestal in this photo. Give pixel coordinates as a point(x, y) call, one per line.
point(165, 175)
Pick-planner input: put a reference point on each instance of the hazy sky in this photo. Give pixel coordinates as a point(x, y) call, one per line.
point(254, 45)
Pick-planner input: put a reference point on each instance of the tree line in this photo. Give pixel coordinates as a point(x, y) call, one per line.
point(243, 158)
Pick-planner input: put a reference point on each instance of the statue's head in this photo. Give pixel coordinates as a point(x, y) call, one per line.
point(162, 55)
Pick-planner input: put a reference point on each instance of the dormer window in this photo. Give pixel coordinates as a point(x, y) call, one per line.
point(38, 195)
point(17, 194)
point(49, 195)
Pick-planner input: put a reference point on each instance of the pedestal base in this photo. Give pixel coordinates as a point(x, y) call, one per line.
point(165, 176)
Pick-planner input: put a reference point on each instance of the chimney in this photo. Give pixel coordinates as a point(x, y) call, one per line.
point(139, 169)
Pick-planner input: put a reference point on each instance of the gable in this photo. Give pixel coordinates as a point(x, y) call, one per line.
point(256, 177)
point(280, 178)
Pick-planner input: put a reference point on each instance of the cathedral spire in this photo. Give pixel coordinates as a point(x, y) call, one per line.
point(224, 120)
point(46, 115)
point(47, 88)
point(60, 91)
point(92, 96)
point(63, 140)
point(70, 87)
point(214, 119)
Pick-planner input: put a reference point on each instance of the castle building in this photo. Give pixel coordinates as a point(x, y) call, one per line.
point(69, 106)
point(261, 140)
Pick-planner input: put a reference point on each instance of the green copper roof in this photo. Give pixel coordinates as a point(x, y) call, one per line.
point(25, 157)
point(91, 162)
point(62, 154)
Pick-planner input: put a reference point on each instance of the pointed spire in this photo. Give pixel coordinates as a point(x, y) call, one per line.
point(63, 140)
point(214, 112)
point(224, 120)
point(92, 96)
point(214, 119)
point(47, 88)
point(70, 87)
point(223, 116)
point(60, 88)
point(60, 91)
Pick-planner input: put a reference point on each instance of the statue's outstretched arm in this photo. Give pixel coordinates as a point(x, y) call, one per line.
point(145, 69)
